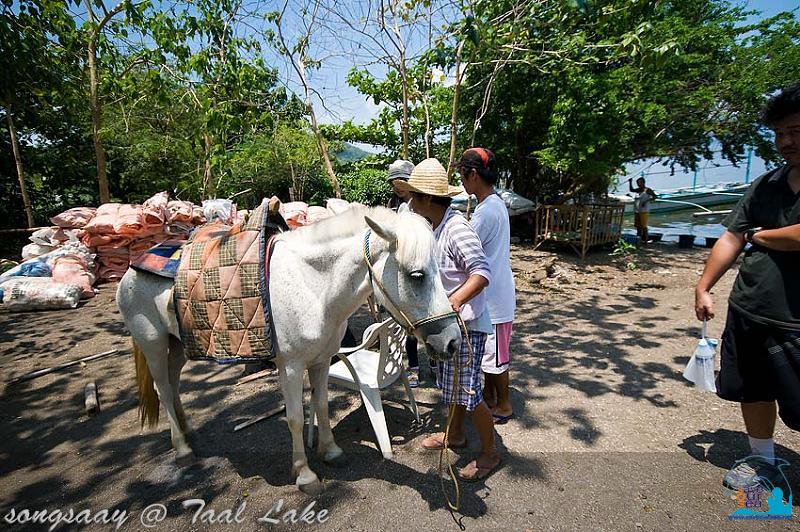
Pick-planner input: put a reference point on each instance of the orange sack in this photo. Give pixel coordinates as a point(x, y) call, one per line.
point(71, 269)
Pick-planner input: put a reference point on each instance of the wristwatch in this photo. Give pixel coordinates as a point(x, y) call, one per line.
point(748, 235)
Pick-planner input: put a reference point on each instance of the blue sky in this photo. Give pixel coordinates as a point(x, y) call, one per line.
point(346, 102)
point(343, 102)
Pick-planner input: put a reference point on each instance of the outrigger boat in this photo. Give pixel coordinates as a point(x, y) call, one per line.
point(689, 197)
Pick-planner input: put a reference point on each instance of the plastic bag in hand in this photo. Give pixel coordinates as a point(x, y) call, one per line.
point(700, 369)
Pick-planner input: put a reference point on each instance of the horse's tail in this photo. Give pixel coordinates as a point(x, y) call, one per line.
point(148, 398)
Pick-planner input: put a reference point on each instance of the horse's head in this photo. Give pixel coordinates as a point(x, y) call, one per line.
point(409, 286)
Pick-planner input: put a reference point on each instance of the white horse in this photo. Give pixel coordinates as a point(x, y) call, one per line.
point(319, 276)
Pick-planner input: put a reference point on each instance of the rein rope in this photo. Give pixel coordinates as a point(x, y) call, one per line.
point(410, 328)
point(450, 414)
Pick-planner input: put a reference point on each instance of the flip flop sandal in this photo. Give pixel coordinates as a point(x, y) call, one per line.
point(501, 420)
point(481, 472)
point(440, 446)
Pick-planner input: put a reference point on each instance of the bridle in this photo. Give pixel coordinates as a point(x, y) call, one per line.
point(406, 323)
point(410, 326)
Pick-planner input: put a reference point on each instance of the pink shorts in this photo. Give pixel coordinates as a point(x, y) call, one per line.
point(497, 355)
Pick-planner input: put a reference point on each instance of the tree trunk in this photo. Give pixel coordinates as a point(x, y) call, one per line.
point(427, 127)
point(100, 154)
point(26, 201)
point(299, 67)
point(296, 190)
point(454, 115)
point(404, 127)
point(208, 178)
point(323, 150)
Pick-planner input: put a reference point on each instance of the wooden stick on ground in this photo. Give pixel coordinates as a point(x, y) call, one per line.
point(252, 421)
point(90, 398)
point(39, 373)
point(258, 375)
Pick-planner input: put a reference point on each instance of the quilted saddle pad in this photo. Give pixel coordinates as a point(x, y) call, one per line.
point(221, 296)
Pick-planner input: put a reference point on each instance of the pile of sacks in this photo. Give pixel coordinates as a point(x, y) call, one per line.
point(56, 273)
point(298, 214)
point(120, 232)
point(87, 244)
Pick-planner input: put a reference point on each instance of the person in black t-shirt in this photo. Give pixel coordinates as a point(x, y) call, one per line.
point(760, 354)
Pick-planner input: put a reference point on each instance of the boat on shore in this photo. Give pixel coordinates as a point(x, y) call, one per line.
point(688, 197)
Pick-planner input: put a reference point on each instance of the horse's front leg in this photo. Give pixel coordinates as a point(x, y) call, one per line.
point(318, 375)
point(291, 374)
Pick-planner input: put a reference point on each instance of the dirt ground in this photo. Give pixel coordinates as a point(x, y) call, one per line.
point(607, 434)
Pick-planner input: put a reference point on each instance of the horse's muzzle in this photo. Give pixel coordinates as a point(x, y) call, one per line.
point(444, 343)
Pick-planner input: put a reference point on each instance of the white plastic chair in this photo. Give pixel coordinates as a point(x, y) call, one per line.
point(368, 372)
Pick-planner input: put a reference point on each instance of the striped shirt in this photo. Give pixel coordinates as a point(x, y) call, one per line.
point(460, 255)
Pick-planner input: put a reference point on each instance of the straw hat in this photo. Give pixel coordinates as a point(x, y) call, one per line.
point(429, 177)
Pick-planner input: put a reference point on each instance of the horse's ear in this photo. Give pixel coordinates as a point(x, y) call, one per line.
point(383, 232)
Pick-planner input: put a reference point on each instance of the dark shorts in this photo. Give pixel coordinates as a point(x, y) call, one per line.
point(760, 363)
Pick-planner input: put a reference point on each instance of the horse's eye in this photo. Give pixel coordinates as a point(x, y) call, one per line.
point(417, 274)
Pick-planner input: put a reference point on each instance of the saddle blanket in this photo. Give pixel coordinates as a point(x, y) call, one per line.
point(221, 291)
point(162, 259)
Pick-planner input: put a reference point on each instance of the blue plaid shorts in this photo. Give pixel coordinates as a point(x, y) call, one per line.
point(469, 393)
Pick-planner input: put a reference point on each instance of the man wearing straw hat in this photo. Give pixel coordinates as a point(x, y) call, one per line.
point(465, 272)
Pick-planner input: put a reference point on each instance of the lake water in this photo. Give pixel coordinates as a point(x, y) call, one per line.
point(672, 224)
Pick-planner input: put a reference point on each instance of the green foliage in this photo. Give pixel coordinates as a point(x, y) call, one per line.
point(190, 105)
point(367, 186)
point(430, 105)
point(627, 254)
point(285, 163)
point(40, 88)
point(591, 86)
point(233, 95)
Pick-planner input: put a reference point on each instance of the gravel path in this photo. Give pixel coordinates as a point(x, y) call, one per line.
point(607, 434)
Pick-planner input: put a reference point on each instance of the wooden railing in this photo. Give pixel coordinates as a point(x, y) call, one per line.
point(579, 226)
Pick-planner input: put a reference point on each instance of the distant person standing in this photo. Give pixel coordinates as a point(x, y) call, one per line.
point(760, 353)
point(641, 207)
point(400, 170)
point(477, 168)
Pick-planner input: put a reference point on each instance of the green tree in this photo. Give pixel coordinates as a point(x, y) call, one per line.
point(281, 163)
point(37, 62)
point(203, 67)
point(579, 89)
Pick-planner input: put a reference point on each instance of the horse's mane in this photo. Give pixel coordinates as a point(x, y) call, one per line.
point(414, 237)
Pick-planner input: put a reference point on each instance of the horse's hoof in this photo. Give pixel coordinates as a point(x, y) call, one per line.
point(312, 488)
point(308, 482)
point(333, 456)
point(185, 459)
